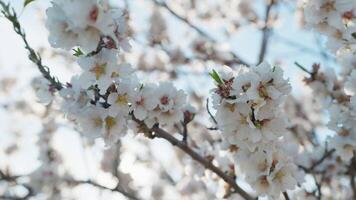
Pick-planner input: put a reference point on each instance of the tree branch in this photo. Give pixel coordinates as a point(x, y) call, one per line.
point(10, 14)
point(285, 194)
point(266, 31)
point(160, 133)
point(155, 131)
point(13, 179)
point(318, 162)
point(116, 189)
point(352, 172)
point(210, 114)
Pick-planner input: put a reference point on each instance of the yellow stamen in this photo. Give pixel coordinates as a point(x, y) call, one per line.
point(109, 122)
point(98, 70)
point(121, 99)
point(98, 122)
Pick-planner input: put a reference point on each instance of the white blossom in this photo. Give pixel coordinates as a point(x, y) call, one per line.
point(44, 90)
point(77, 23)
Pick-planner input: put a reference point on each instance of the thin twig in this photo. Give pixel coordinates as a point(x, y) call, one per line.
point(353, 185)
point(285, 194)
point(13, 180)
point(10, 14)
point(318, 185)
point(310, 169)
point(302, 68)
point(321, 160)
point(210, 114)
point(266, 31)
point(116, 189)
point(352, 172)
point(185, 133)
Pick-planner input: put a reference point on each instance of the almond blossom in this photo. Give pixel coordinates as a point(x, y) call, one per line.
point(74, 23)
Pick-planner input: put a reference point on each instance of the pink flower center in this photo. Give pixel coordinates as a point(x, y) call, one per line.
point(164, 100)
point(348, 15)
point(141, 101)
point(187, 115)
point(93, 15)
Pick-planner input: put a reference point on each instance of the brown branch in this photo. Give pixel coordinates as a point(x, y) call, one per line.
point(13, 179)
point(155, 131)
point(352, 172)
point(285, 194)
point(236, 58)
point(210, 114)
point(30, 193)
point(266, 31)
point(116, 189)
point(353, 185)
point(321, 160)
point(326, 155)
point(302, 68)
point(160, 133)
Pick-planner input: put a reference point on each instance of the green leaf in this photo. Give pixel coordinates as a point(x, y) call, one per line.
point(26, 2)
point(216, 77)
point(78, 52)
point(354, 35)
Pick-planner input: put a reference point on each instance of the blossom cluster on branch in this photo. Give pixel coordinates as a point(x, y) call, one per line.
point(105, 96)
point(250, 117)
point(74, 23)
point(337, 21)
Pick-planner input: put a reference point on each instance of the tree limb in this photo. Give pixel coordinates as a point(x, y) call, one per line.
point(116, 189)
point(13, 179)
point(10, 14)
point(318, 162)
point(285, 194)
point(160, 133)
point(266, 31)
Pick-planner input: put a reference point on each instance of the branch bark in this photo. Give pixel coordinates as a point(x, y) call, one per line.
point(116, 189)
point(318, 162)
point(160, 133)
point(13, 179)
point(352, 172)
point(286, 197)
point(266, 31)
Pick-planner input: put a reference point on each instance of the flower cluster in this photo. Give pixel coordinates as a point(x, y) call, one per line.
point(337, 20)
point(333, 18)
point(330, 92)
point(74, 23)
point(251, 120)
point(107, 95)
point(343, 122)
